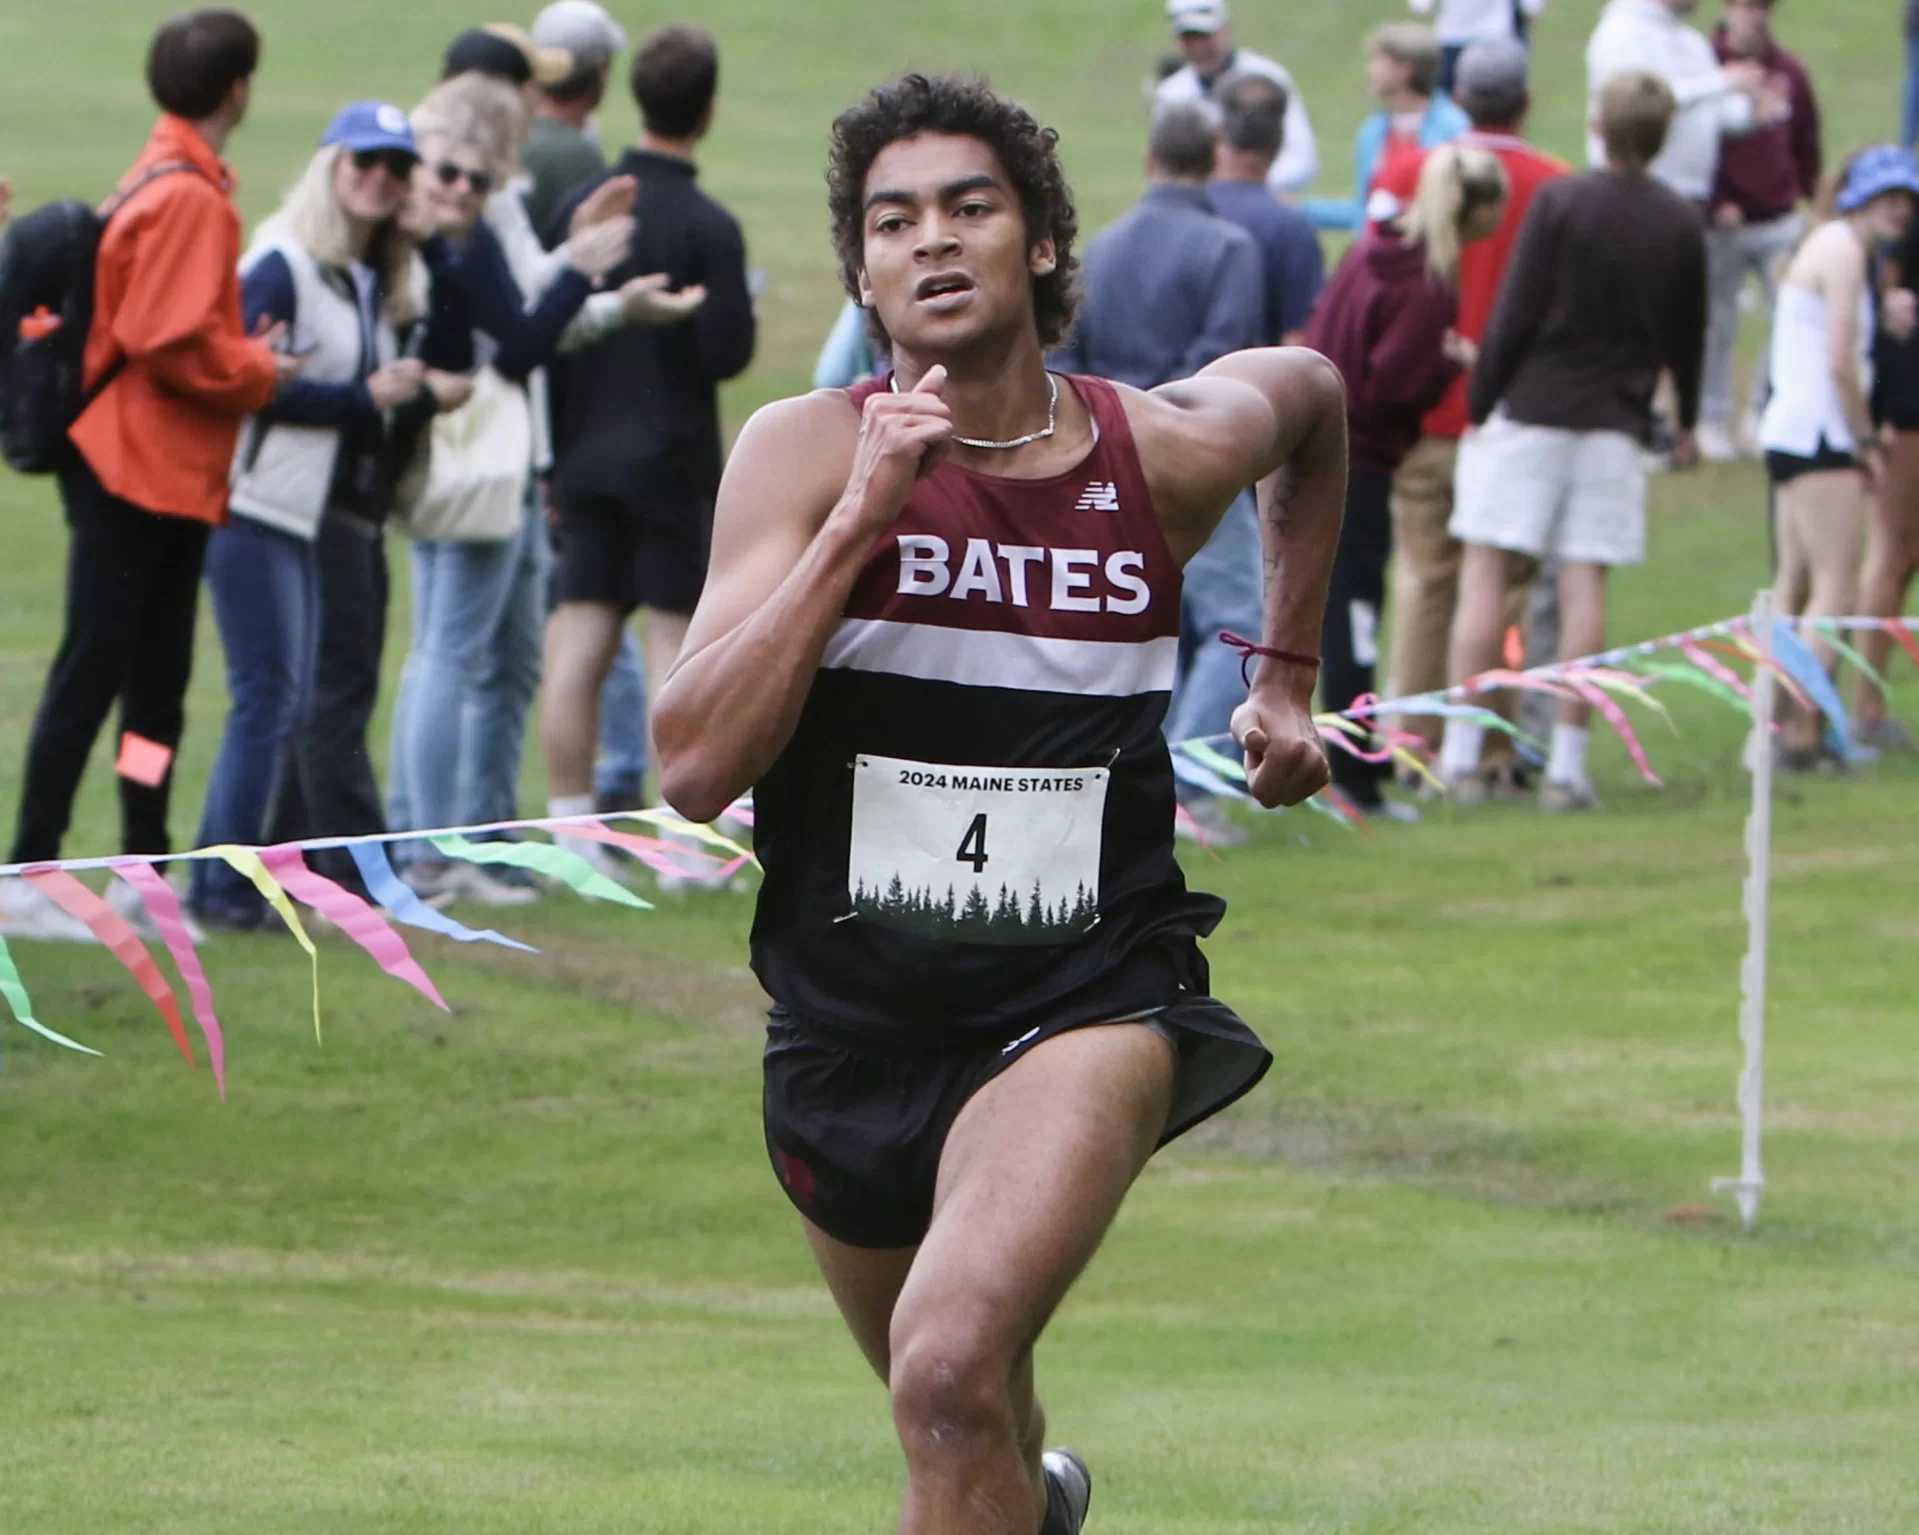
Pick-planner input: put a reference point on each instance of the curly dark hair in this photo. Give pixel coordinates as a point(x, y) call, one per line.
point(915, 104)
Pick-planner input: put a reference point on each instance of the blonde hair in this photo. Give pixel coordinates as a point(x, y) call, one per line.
point(314, 220)
point(1455, 183)
point(1635, 114)
point(479, 110)
point(1412, 45)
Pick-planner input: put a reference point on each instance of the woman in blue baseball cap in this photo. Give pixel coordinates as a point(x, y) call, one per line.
point(1822, 449)
point(298, 575)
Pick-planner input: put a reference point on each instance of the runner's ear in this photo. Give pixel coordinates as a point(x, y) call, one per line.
point(866, 290)
point(1043, 259)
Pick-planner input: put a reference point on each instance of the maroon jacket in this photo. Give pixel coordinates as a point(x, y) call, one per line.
point(1765, 174)
point(1383, 320)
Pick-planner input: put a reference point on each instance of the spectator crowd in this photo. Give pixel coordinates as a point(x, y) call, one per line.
point(466, 323)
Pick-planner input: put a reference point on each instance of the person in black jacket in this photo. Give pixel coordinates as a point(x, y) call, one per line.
point(637, 448)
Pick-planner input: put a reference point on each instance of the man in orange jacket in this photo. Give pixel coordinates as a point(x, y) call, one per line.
point(175, 373)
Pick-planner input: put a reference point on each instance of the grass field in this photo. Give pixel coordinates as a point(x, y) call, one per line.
point(1452, 1269)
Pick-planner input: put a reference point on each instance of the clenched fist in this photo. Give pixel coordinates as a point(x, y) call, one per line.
point(903, 438)
point(1285, 758)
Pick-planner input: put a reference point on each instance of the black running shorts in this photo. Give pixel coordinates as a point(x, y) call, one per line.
point(632, 552)
point(855, 1128)
point(1784, 468)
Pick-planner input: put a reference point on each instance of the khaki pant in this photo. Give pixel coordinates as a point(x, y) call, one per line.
point(1426, 563)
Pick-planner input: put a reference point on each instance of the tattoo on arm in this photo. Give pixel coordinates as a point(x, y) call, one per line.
point(1276, 512)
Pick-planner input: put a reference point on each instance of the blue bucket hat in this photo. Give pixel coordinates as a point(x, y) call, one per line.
point(1874, 172)
point(361, 125)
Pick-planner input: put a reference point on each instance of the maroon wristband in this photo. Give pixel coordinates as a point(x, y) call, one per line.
point(1248, 649)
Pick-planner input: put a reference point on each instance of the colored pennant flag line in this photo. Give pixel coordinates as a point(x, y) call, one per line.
point(1703, 659)
point(283, 877)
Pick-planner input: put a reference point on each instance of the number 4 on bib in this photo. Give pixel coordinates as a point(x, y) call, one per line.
point(972, 848)
point(976, 854)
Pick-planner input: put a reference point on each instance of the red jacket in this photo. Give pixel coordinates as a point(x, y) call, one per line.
point(167, 298)
point(1383, 321)
point(1482, 265)
point(1765, 173)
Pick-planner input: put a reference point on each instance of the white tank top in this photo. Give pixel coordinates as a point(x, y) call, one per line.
point(1805, 405)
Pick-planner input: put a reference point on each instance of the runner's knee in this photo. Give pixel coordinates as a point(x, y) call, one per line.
point(951, 1379)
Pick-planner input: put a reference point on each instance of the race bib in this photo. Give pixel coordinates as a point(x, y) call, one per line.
point(976, 855)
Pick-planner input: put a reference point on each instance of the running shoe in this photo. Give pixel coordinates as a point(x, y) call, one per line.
point(124, 899)
point(497, 885)
point(1715, 443)
point(1466, 789)
point(1888, 737)
point(26, 911)
point(1206, 822)
point(1396, 812)
point(598, 855)
point(1560, 798)
point(680, 884)
point(1069, 1492)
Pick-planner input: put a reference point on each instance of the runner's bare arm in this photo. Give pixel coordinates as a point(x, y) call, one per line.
point(1275, 418)
point(792, 529)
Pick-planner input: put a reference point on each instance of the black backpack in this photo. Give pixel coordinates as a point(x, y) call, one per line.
point(46, 310)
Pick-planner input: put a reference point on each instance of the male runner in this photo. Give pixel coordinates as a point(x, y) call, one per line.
point(938, 633)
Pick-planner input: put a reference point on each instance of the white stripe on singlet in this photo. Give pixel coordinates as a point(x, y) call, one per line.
point(988, 659)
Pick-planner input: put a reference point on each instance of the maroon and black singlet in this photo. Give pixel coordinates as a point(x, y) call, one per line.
point(968, 842)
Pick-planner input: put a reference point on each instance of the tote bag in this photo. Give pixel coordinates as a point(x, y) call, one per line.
point(472, 486)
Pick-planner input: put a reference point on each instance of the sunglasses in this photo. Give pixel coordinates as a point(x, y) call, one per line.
point(397, 163)
point(478, 182)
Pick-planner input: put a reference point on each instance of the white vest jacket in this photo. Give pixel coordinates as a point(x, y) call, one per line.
point(281, 472)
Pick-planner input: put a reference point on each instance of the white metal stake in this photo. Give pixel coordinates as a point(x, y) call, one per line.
point(1751, 1182)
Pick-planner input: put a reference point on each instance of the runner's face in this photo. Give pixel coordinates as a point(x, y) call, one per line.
point(946, 250)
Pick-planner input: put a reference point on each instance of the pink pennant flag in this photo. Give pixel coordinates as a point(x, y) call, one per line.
point(164, 907)
point(660, 856)
point(1524, 681)
point(1712, 666)
point(352, 916)
point(1181, 815)
point(111, 928)
point(1903, 635)
point(1616, 717)
point(1747, 649)
point(1342, 808)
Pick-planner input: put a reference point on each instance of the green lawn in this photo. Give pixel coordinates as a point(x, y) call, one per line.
point(1453, 1269)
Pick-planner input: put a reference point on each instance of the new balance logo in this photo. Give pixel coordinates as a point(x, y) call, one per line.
point(1098, 497)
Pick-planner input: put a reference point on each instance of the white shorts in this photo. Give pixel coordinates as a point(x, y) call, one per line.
point(1543, 490)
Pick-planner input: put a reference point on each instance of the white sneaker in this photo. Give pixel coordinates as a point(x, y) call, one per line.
point(1715, 443)
point(679, 884)
point(26, 911)
point(597, 854)
point(475, 882)
point(1565, 798)
point(124, 899)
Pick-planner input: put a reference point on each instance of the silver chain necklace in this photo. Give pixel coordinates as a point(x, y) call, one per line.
point(1052, 422)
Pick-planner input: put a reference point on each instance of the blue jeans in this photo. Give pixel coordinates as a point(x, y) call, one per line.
point(494, 721)
point(459, 722)
point(266, 599)
point(620, 773)
point(1224, 590)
